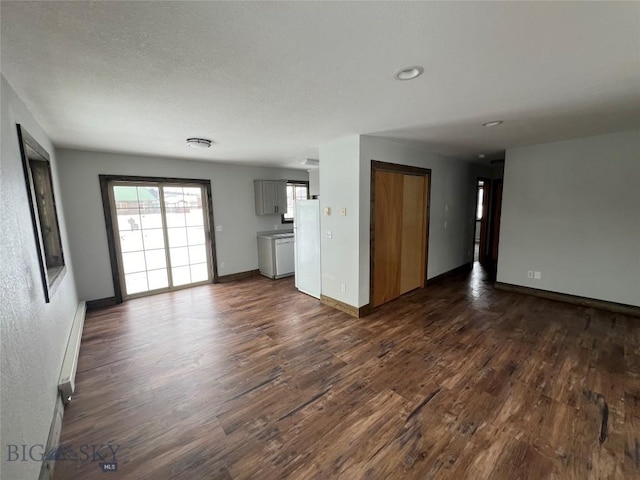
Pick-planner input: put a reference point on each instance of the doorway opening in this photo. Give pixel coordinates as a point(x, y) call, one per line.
point(487, 223)
point(481, 230)
point(159, 234)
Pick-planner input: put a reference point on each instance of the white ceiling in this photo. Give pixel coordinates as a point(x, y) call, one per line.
point(270, 82)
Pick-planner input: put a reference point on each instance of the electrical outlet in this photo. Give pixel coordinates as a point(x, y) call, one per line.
point(329, 234)
point(343, 211)
point(223, 265)
point(218, 228)
point(537, 275)
point(327, 211)
point(530, 274)
point(445, 225)
point(343, 287)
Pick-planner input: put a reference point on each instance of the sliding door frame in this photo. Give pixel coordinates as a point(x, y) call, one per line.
point(106, 180)
point(377, 166)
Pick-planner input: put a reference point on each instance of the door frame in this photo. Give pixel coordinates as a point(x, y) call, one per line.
point(105, 180)
point(496, 214)
point(378, 166)
point(485, 223)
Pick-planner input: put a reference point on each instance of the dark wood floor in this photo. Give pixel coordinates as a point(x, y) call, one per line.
point(252, 380)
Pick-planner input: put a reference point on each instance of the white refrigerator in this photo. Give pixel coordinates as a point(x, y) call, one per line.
point(306, 228)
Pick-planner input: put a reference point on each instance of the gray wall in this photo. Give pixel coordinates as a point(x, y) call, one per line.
point(571, 210)
point(233, 208)
point(34, 334)
point(452, 201)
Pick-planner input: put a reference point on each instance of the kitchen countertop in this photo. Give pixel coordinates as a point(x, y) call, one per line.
point(276, 235)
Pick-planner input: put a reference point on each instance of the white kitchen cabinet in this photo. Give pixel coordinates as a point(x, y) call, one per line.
point(271, 196)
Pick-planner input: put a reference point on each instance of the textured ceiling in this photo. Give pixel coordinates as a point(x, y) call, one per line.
point(270, 82)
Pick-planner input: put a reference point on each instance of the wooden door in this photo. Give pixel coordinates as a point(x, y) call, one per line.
point(399, 234)
point(388, 236)
point(413, 233)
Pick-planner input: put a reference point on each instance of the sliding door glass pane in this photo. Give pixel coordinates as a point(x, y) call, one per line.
point(174, 205)
point(197, 254)
point(181, 276)
point(158, 279)
point(136, 283)
point(179, 256)
point(161, 227)
point(177, 236)
point(186, 234)
point(195, 215)
point(140, 230)
point(133, 262)
point(155, 259)
point(199, 272)
point(195, 235)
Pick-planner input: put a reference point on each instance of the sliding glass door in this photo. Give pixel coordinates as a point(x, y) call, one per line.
point(162, 236)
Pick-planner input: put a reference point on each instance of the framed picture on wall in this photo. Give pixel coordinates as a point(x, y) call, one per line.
point(44, 216)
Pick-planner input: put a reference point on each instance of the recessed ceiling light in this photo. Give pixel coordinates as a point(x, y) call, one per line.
point(494, 123)
point(408, 73)
point(199, 142)
point(481, 155)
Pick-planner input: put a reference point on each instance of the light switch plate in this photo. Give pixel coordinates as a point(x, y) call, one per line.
point(537, 275)
point(327, 211)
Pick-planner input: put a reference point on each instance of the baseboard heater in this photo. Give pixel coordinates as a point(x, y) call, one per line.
point(67, 382)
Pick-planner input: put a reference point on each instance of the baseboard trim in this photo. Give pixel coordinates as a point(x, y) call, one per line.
point(573, 299)
point(455, 271)
point(357, 312)
point(238, 276)
point(101, 303)
point(48, 464)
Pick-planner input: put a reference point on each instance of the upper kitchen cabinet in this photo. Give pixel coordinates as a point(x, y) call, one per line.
point(271, 196)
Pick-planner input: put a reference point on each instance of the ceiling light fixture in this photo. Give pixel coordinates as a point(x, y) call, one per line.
point(481, 155)
point(199, 142)
point(408, 73)
point(494, 123)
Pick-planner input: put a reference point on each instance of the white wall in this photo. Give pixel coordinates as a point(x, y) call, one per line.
point(339, 180)
point(345, 181)
point(453, 185)
point(34, 333)
point(233, 208)
point(571, 210)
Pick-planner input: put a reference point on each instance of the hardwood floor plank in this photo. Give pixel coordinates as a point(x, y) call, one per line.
point(252, 379)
